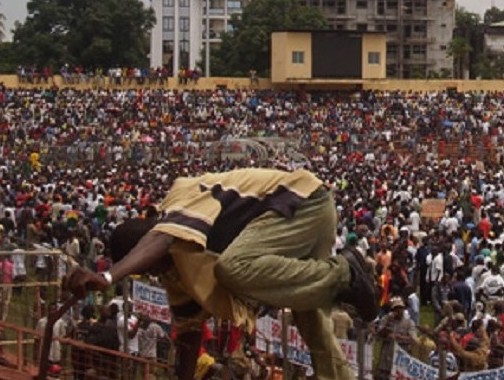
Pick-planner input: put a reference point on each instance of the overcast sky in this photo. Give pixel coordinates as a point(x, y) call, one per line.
point(16, 9)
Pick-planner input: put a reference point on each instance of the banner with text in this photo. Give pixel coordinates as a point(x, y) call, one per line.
point(491, 374)
point(151, 301)
point(406, 367)
point(269, 339)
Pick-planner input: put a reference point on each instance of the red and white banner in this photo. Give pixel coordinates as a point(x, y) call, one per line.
point(151, 301)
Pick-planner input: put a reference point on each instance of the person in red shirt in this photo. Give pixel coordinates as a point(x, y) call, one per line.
point(476, 200)
point(6, 270)
point(485, 226)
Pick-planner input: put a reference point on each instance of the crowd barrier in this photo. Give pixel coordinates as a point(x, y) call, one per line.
point(19, 359)
point(20, 348)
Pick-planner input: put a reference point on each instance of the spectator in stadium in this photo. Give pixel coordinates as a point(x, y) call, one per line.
point(276, 251)
point(450, 359)
point(59, 331)
point(80, 360)
point(343, 324)
point(394, 328)
point(7, 277)
point(474, 356)
point(149, 334)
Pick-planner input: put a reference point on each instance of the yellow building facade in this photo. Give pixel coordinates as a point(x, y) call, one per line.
point(307, 56)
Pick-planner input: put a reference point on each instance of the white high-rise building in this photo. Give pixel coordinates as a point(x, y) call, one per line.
point(418, 31)
point(179, 36)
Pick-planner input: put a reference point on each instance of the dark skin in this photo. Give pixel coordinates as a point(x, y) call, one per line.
point(149, 255)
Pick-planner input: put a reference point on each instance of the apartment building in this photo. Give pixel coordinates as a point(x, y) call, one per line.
point(179, 36)
point(418, 31)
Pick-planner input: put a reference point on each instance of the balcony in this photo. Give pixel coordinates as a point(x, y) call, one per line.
point(216, 11)
point(420, 39)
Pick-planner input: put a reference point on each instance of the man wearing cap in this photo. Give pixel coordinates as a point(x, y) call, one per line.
point(272, 232)
point(395, 327)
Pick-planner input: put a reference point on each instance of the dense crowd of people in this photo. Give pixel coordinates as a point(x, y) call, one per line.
point(115, 76)
point(76, 163)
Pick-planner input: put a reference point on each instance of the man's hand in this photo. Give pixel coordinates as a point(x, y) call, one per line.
point(80, 281)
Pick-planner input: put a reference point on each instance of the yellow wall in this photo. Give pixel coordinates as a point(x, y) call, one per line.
point(434, 85)
point(278, 57)
point(374, 43)
point(282, 46)
point(11, 81)
point(264, 83)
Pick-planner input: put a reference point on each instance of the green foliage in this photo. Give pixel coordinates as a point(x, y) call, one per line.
point(249, 45)
point(493, 15)
point(8, 58)
point(88, 32)
point(459, 48)
point(417, 72)
point(468, 42)
point(490, 66)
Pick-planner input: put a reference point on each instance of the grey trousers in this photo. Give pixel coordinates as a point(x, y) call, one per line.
point(286, 263)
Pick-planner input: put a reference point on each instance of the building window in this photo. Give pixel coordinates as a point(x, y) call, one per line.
point(234, 5)
point(391, 27)
point(362, 27)
point(167, 24)
point(419, 49)
point(184, 3)
point(168, 3)
point(392, 4)
point(380, 27)
point(374, 58)
point(361, 4)
point(184, 24)
point(298, 57)
point(381, 7)
point(443, 47)
point(341, 7)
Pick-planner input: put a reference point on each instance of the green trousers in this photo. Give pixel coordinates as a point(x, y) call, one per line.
point(286, 263)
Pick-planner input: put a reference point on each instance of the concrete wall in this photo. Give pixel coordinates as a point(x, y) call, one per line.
point(11, 81)
point(374, 43)
point(282, 46)
point(434, 85)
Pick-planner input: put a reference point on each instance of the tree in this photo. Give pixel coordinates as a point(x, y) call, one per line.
point(459, 49)
point(248, 46)
point(467, 39)
point(87, 32)
point(493, 15)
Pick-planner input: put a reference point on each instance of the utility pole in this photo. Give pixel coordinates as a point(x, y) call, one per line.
point(401, 38)
point(207, 39)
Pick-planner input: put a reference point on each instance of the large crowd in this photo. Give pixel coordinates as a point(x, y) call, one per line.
point(76, 163)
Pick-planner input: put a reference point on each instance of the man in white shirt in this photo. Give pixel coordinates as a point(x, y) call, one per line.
point(59, 331)
point(132, 326)
point(149, 334)
point(492, 286)
point(435, 263)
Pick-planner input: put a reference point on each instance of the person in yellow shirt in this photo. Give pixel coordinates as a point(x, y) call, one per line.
point(231, 242)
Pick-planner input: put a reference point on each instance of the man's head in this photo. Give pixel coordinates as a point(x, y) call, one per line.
point(127, 235)
point(397, 306)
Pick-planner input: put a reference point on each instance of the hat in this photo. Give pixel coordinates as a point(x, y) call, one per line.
point(459, 317)
point(396, 302)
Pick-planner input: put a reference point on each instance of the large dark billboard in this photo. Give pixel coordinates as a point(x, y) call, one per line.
point(336, 55)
